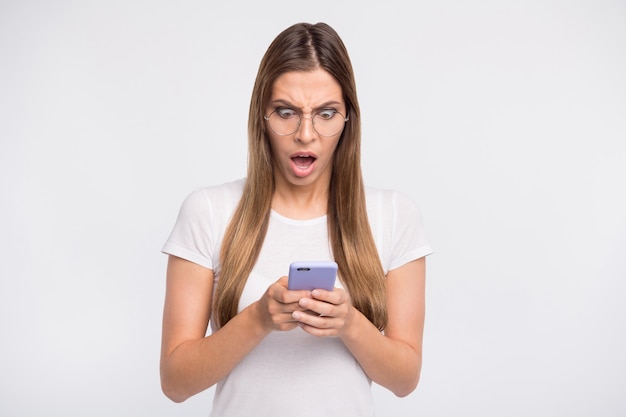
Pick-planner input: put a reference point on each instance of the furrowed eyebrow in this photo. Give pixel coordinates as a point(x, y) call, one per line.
point(280, 102)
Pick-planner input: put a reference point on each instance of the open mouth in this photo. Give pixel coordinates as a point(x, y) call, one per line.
point(302, 165)
point(303, 161)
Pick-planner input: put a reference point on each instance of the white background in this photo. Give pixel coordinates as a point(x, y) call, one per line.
point(505, 121)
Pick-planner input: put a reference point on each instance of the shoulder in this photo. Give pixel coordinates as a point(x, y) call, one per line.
point(213, 200)
point(389, 201)
point(226, 191)
point(397, 227)
point(222, 194)
point(392, 212)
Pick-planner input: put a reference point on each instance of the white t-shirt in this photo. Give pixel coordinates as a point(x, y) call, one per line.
point(293, 374)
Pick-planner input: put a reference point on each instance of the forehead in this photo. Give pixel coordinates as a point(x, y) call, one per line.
point(307, 88)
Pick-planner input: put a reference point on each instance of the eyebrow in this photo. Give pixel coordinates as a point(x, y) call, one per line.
point(331, 103)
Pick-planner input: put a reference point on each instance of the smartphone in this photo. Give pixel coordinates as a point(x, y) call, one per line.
point(310, 275)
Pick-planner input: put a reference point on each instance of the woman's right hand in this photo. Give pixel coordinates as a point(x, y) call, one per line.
point(191, 361)
point(276, 306)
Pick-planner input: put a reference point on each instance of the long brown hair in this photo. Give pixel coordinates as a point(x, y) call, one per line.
point(305, 47)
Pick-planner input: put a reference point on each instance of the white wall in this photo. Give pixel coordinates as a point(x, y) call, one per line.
point(505, 121)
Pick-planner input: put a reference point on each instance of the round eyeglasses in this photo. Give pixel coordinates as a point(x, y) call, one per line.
point(285, 122)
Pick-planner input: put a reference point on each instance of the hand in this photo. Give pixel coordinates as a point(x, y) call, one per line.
point(277, 305)
point(326, 313)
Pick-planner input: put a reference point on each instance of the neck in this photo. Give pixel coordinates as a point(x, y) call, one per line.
point(300, 202)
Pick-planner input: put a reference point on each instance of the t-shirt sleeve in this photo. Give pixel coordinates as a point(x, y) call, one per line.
point(409, 237)
point(190, 238)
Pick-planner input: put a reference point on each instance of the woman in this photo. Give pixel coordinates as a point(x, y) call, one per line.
point(277, 352)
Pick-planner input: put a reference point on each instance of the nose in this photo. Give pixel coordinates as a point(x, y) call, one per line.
point(305, 132)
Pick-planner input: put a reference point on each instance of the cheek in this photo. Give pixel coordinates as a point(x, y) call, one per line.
point(333, 152)
point(275, 144)
point(332, 146)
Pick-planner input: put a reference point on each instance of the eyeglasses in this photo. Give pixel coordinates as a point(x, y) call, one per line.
point(285, 121)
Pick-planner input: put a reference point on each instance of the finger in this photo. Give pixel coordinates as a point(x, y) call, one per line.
point(318, 325)
point(285, 323)
point(337, 296)
point(316, 307)
point(319, 332)
point(282, 295)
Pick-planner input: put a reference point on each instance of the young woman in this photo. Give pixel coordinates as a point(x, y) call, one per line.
point(272, 351)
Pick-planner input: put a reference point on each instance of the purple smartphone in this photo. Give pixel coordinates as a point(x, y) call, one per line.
point(309, 275)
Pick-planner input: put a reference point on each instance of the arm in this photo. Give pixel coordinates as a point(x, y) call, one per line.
point(392, 359)
point(192, 362)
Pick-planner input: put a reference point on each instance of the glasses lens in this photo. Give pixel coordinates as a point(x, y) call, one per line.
point(328, 124)
point(284, 124)
point(324, 124)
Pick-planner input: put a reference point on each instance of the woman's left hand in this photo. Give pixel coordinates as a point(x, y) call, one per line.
point(328, 312)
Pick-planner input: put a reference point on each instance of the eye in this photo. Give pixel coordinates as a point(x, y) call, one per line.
point(327, 114)
point(286, 113)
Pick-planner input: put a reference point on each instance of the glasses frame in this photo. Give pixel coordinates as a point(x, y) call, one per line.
point(300, 117)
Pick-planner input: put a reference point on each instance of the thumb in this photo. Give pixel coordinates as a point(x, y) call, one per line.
point(283, 281)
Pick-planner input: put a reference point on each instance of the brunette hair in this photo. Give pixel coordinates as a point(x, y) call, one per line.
point(305, 47)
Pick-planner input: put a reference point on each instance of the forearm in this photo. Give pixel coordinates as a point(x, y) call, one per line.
point(390, 363)
point(196, 365)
